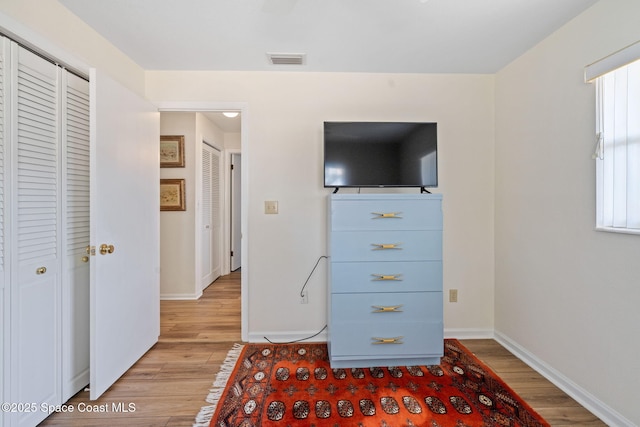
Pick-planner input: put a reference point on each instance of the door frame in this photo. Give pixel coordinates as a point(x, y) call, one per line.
point(243, 108)
point(228, 195)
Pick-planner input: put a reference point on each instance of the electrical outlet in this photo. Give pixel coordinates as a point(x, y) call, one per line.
point(453, 295)
point(304, 298)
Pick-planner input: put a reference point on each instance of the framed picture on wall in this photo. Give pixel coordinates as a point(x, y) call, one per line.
point(172, 196)
point(171, 151)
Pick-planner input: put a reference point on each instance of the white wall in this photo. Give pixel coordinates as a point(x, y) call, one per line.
point(285, 164)
point(232, 140)
point(567, 294)
point(177, 228)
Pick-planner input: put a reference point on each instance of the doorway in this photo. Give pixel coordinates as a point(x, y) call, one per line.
point(239, 149)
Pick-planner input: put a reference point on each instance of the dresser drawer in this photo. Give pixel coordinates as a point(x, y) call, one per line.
point(387, 307)
point(411, 339)
point(386, 246)
point(399, 214)
point(386, 276)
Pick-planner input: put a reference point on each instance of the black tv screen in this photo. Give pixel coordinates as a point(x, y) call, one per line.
point(380, 154)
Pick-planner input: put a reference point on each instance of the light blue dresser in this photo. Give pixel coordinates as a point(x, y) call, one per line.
point(385, 280)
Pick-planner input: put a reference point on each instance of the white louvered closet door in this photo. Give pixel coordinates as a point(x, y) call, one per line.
point(4, 280)
point(75, 273)
point(211, 216)
point(35, 250)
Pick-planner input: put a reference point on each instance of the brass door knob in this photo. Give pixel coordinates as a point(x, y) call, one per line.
point(41, 270)
point(106, 249)
point(85, 259)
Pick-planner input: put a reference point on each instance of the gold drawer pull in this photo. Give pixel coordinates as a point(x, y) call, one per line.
point(41, 270)
point(384, 246)
point(387, 308)
point(378, 277)
point(396, 340)
point(379, 215)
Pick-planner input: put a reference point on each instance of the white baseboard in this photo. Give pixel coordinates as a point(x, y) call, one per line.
point(580, 395)
point(287, 337)
point(180, 296)
point(469, 334)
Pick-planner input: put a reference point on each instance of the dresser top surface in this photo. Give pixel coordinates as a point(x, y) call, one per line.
point(394, 196)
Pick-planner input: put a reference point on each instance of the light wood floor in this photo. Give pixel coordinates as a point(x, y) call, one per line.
point(168, 385)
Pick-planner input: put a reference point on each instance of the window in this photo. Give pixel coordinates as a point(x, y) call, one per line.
point(617, 152)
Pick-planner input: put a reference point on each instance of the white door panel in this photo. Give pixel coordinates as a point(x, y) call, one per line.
point(211, 216)
point(75, 267)
point(5, 320)
point(125, 213)
point(35, 298)
point(205, 255)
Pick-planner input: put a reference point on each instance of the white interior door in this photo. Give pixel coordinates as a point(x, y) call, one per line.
point(75, 232)
point(4, 270)
point(35, 272)
point(236, 203)
point(211, 216)
point(125, 213)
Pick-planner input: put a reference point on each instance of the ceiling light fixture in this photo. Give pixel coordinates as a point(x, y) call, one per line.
point(231, 114)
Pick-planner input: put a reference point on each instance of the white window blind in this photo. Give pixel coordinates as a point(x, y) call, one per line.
point(618, 150)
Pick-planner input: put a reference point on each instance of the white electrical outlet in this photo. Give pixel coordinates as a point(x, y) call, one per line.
point(453, 295)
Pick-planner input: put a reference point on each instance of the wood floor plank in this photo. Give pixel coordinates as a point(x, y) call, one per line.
point(169, 384)
point(549, 401)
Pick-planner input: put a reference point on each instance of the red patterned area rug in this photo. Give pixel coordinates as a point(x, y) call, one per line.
point(282, 385)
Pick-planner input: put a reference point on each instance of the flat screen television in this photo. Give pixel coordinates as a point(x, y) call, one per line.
point(380, 154)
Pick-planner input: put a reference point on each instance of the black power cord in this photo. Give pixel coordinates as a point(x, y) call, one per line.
point(302, 296)
point(311, 274)
point(298, 340)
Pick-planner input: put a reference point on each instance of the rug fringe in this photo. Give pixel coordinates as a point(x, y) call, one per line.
point(203, 419)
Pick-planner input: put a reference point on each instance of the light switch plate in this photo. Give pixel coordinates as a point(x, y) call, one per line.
point(271, 207)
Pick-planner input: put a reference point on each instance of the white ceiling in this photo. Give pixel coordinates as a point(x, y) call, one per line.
point(376, 36)
point(226, 124)
point(394, 36)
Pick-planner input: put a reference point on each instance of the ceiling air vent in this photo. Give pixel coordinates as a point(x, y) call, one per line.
point(286, 58)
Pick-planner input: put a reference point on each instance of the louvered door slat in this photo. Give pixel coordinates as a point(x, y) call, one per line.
point(75, 119)
point(77, 167)
point(35, 238)
point(216, 222)
point(211, 249)
point(215, 187)
point(37, 165)
point(206, 187)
